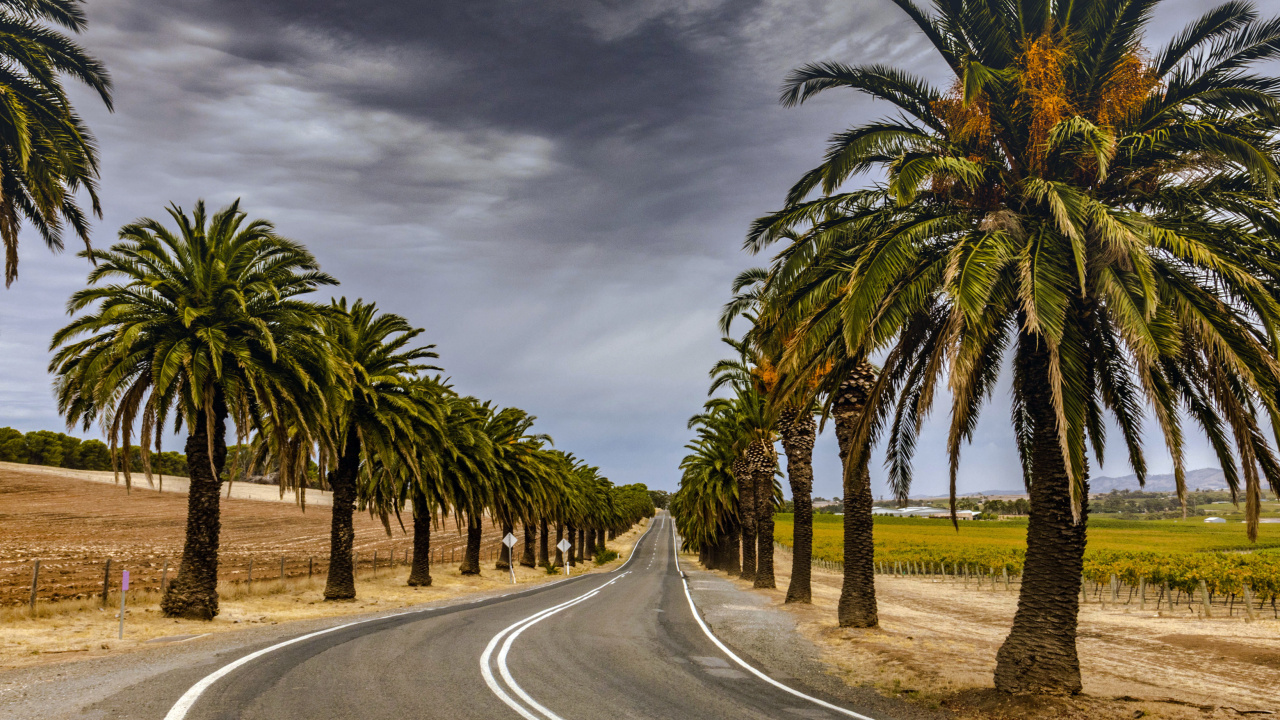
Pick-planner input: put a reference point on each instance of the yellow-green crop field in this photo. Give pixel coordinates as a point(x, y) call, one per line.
point(1180, 553)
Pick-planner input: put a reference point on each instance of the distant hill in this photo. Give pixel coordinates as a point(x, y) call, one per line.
point(1203, 479)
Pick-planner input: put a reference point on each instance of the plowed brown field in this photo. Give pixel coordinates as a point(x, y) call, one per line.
point(73, 526)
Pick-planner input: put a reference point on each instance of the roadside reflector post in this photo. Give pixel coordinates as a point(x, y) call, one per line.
point(124, 590)
point(510, 541)
point(35, 579)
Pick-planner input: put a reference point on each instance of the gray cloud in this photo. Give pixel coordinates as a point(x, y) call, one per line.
point(556, 191)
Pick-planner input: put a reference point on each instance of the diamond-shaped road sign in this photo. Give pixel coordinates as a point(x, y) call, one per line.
point(563, 546)
point(509, 540)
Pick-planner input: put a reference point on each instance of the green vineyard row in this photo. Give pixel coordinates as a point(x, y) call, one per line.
point(1225, 572)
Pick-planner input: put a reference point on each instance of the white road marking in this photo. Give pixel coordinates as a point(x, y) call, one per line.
point(511, 632)
point(183, 706)
point(675, 544)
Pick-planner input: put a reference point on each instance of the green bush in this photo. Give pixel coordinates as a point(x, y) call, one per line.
point(605, 556)
point(550, 568)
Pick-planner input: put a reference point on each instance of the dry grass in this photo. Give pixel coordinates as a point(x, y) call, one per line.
point(76, 629)
point(937, 641)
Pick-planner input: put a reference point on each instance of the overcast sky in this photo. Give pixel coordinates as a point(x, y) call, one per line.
point(557, 191)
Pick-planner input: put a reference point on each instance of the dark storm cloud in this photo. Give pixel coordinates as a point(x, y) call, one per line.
point(557, 191)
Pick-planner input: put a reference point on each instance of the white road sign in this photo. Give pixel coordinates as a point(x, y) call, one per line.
point(509, 540)
point(563, 546)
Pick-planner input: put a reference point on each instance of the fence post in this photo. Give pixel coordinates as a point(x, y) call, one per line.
point(1115, 590)
point(250, 576)
point(35, 579)
point(1142, 593)
point(106, 581)
point(311, 565)
point(1204, 600)
point(375, 563)
point(1005, 571)
point(1248, 600)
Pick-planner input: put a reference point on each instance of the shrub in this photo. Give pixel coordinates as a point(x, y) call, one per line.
point(605, 556)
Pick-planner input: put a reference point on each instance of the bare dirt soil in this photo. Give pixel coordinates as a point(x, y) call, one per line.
point(937, 644)
point(73, 527)
point(73, 631)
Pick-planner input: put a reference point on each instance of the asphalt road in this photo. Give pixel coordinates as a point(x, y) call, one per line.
point(622, 645)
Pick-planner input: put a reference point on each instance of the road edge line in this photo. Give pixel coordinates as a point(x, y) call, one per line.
point(684, 579)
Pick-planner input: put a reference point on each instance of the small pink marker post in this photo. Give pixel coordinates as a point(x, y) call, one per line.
point(124, 588)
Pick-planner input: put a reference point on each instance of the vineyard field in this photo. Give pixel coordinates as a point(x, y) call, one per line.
point(1177, 553)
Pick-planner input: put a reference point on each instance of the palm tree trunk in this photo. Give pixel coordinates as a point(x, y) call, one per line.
point(420, 574)
point(720, 552)
point(527, 557)
point(764, 465)
point(560, 536)
point(734, 567)
point(592, 550)
point(857, 605)
point(504, 552)
point(193, 594)
point(799, 431)
point(471, 557)
point(746, 517)
point(341, 584)
point(1039, 655)
point(580, 546)
point(544, 544)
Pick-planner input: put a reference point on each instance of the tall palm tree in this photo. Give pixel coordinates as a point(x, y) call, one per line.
point(387, 485)
point(201, 324)
point(1107, 219)
point(47, 154)
point(706, 506)
point(381, 415)
point(795, 423)
point(749, 418)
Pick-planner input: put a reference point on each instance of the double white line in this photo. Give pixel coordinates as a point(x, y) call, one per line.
point(530, 709)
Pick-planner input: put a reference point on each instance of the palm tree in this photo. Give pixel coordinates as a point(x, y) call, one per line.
point(47, 154)
point(381, 416)
point(201, 324)
point(439, 439)
point(706, 505)
point(795, 423)
point(1107, 219)
point(755, 417)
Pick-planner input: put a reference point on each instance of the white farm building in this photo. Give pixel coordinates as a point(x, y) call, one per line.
point(929, 512)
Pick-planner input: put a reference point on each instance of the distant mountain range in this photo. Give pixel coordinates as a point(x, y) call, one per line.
point(1202, 479)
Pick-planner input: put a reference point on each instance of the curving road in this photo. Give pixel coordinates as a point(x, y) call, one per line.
point(623, 645)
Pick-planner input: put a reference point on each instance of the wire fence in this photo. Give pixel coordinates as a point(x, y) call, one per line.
point(52, 580)
point(1111, 594)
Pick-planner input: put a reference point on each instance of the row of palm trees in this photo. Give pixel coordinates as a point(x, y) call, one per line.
point(1098, 219)
point(202, 325)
